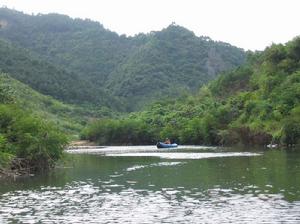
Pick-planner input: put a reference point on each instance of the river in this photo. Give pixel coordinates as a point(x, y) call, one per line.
point(145, 185)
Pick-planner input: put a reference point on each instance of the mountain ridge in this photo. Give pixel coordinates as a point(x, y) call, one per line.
point(146, 66)
point(256, 104)
point(45, 77)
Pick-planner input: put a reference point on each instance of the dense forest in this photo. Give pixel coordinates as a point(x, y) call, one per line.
point(63, 79)
point(69, 118)
point(28, 142)
point(256, 104)
point(101, 67)
point(50, 80)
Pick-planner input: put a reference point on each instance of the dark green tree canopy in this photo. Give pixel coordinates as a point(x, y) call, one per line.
point(257, 103)
point(136, 69)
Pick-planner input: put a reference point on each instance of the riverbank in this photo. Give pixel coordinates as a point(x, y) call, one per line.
point(21, 167)
point(83, 144)
point(79, 143)
point(17, 167)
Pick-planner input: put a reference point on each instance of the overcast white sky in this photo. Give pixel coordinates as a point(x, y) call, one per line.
point(250, 24)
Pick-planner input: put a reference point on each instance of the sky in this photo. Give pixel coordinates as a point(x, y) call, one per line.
point(249, 24)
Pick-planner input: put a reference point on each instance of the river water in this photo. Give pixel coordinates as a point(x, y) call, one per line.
point(145, 185)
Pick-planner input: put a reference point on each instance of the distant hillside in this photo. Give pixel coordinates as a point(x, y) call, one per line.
point(136, 69)
point(69, 118)
point(50, 79)
point(256, 104)
point(172, 61)
point(82, 46)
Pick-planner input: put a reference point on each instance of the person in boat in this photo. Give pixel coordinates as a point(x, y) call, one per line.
point(167, 141)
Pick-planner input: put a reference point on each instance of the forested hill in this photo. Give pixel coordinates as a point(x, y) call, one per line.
point(258, 103)
point(136, 69)
point(49, 79)
point(173, 60)
point(66, 117)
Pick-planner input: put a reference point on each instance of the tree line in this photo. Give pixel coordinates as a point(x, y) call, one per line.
point(255, 104)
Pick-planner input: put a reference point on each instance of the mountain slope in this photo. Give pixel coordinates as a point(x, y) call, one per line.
point(49, 79)
point(137, 69)
point(172, 61)
point(256, 104)
point(82, 46)
point(69, 118)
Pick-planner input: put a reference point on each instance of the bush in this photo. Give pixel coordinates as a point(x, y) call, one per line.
point(29, 137)
point(127, 131)
point(5, 159)
point(291, 132)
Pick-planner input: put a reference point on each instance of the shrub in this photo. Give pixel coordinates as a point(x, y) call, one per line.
point(29, 137)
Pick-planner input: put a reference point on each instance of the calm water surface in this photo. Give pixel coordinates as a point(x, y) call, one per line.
point(144, 185)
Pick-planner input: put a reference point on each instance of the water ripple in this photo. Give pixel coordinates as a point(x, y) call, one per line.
point(142, 148)
point(183, 155)
point(83, 202)
point(137, 167)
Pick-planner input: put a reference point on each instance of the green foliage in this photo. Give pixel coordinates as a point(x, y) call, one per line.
point(172, 61)
point(29, 137)
point(257, 103)
point(7, 94)
point(3, 142)
point(50, 79)
point(68, 118)
point(5, 159)
point(254, 104)
point(291, 127)
point(126, 131)
point(96, 62)
point(232, 82)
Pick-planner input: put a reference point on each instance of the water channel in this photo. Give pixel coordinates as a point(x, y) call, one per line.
point(141, 184)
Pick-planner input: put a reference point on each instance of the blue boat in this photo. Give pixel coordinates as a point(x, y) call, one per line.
point(164, 145)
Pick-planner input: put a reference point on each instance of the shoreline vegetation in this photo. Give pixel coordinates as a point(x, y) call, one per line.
point(14, 167)
point(255, 104)
point(28, 144)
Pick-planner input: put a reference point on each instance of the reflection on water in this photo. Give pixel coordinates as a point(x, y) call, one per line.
point(182, 155)
point(183, 186)
point(82, 202)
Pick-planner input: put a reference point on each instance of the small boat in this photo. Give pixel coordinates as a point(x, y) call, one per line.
point(272, 146)
point(164, 145)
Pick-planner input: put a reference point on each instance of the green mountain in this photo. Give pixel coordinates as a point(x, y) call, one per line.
point(172, 61)
point(68, 118)
point(136, 69)
point(30, 134)
point(49, 79)
point(258, 103)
